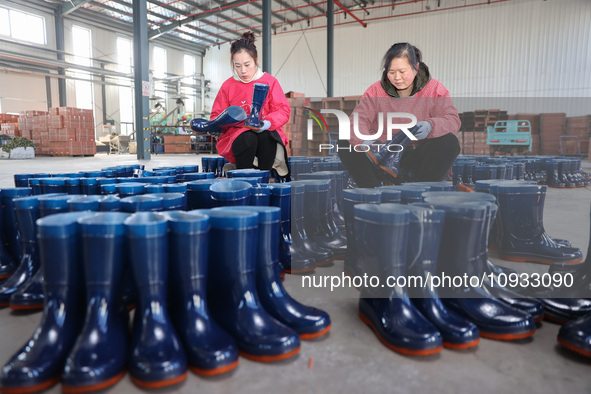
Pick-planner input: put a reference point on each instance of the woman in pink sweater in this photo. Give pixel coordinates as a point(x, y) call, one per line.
point(405, 87)
point(264, 148)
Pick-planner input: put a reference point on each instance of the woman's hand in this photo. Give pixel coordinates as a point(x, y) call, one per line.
point(266, 125)
point(423, 130)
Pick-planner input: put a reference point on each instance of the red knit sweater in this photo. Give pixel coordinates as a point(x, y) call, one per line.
point(276, 109)
point(432, 103)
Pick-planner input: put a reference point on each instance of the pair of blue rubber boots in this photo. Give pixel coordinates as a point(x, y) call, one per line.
point(235, 114)
point(447, 235)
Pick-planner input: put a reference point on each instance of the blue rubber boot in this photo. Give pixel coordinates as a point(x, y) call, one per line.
point(85, 203)
point(291, 258)
point(424, 238)
point(468, 178)
point(156, 358)
point(199, 194)
point(10, 232)
point(53, 185)
point(210, 350)
point(390, 194)
point(128, 189)
point(576, 335)
point(318, 221)
point(98, 358)
point(89, 186)
point(231, 193)
point(141, 203)
point(563, 304)
point(382, 238)
point(308, 322)
point(351, 197)
point(302, 245)
point(39, 362)
point(459, 255)
point(259, 95)
point(552, 174)
point(563, 172)
point(29, 296)
point(336, 218)
point(180, 188)
point(7, 263)
point(261, 196)
point(506, 295)
point(170, 201)
point(232, 293)
point(231, 115)
point(519, 204)
point(387, 155)
point(110, 204)
point(26, 210)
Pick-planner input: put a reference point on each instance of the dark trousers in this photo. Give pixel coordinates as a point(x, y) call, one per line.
point(428, 162)
point(249, 145)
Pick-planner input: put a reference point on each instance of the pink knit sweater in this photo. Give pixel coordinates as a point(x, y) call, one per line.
point(432, 103)
point(275, 109)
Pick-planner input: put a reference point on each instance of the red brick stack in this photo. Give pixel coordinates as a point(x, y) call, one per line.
point(9, 125)
point(580, 127)
point(63, 131)
point(552, 126)
point(295, 129)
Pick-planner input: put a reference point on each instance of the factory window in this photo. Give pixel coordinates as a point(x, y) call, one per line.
point(82, 45)
point(189, 93)
point(160, 69)
point(124, 56)
point(22, 26)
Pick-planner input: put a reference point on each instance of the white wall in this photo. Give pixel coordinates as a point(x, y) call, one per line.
point(519, 48)
point(28, 92)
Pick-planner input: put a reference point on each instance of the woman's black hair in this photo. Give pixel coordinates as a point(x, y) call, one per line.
point(405, 50)
point(245, 43)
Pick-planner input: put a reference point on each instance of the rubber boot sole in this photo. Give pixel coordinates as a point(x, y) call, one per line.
point(301, 271)
point(33, 307)
point(160, 383)
point(215, 371)
point(94, 387)
point(507, 337)
point(269, 358)
point(30, 389)
point(520, 259)
point(314, 335)
point(574, 348)
point(397, 349)
point(461, 346)
point(554, 319)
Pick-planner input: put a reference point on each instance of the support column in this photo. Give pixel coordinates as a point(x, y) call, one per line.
point(60, 46)
point(141, 78)
point(267, 36)
point(329, 47)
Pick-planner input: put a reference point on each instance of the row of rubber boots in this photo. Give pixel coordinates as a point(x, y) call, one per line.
point(26, 284)
point(447, 235)
point(225, 295)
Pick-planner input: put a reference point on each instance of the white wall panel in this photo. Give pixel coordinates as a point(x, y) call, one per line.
point(519, 48)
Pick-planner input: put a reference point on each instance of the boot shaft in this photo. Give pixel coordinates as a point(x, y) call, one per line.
point(147, 237)
point(381, 239)
point(189, 248)
point(199, 194)
point(60, 246)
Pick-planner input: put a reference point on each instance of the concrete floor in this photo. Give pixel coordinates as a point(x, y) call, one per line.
point(351, 359)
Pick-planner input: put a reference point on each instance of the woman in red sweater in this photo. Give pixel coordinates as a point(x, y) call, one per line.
point(247, 148)
point(405, 87)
